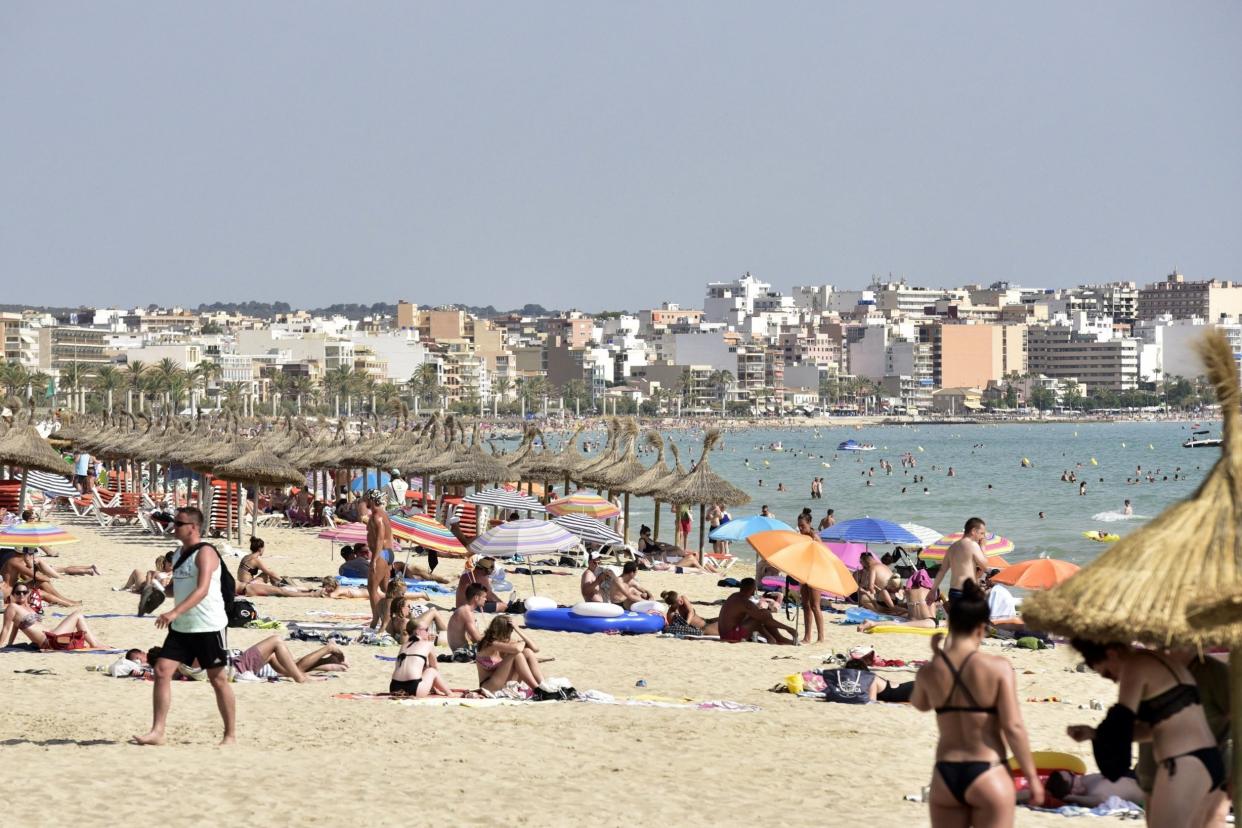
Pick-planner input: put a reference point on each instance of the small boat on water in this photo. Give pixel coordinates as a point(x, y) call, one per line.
point(1198, 439)
point(854, 445)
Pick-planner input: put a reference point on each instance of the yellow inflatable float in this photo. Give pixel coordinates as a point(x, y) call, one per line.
point(1101, 537)
point(901, 628)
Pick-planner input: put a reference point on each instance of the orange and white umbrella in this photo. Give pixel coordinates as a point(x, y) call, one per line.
point(1041, 573)
point(584, 503)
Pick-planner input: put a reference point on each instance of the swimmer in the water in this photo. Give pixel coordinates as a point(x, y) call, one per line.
point(1041, 515)
point(1127, 509)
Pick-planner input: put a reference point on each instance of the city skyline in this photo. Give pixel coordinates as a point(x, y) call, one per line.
point(582, 156)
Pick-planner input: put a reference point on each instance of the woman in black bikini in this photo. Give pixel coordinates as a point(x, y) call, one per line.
point(977, 712)
point(414, 674)
point(1157, 700)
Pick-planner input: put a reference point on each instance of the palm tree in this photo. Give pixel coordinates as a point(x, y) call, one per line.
point(134, 374)
point(107, 380)
point(423, 384)
point(387, 397)
point(721, 381)
point(339, 382)
point(500, 388)
point(299, 385)
point(15, 378)
point(164, 375)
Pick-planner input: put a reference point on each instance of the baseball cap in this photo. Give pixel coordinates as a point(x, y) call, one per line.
point(861, 651)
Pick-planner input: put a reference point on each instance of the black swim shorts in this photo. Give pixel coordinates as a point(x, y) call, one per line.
point(209, 649)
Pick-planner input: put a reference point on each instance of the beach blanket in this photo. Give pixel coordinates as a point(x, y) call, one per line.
point(103, 615)
point(22, 648)
point(438, 701)
point(1113, 806)
point(410, 583)
point(589, 696)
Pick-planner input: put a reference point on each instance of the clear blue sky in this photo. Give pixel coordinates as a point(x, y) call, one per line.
point(607, 155)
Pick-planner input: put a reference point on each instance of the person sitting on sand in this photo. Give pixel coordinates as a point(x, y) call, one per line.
point(415, 673)
point(625, 590)
point(921, 603)
point(356, 564)
point(405, 610)
point(977, 711)
point(463, 634)
point(72, 633)
point(252, 568)
point(873, 582)
point(682, 620)
point(740, 617)
point(589, 585)
point(160, 576)
point(502, 659)
point(481, 574)
point(396, 590)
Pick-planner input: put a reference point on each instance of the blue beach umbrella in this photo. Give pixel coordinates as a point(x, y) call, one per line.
point(870, 530)
point(739, 529)
point(367, 481)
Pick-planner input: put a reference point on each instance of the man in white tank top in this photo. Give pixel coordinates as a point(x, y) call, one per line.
point(197, 626)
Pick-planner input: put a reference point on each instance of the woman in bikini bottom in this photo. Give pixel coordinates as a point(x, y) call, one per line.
point(1190, 778)
point(977, 711)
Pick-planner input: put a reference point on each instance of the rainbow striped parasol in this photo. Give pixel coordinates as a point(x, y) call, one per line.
point(427, 533)
point(345, 533)
point(35, 534)
point(584, 503)
point(992, 547)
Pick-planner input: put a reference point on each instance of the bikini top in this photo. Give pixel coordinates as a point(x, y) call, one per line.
point(401, 657)
point(958, 684)
point(1171, 701)
point(28, 620)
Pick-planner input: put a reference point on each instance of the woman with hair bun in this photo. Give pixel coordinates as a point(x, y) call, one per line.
point(977, 712)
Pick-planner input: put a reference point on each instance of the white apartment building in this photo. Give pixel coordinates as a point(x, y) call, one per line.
point(727, 301)
point(401, 351)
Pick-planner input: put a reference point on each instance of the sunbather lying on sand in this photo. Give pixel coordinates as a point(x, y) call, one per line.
point(267, 659)
point(332, 589)
point(71, 633)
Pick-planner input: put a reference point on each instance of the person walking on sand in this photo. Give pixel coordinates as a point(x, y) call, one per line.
point(379, 540)
point(196, 625)
point(976, 703)
point(964, 558)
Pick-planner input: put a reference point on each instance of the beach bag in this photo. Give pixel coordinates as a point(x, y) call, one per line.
point(847, 686)
point(241, 612)
point(228, 586)
point(152, 596)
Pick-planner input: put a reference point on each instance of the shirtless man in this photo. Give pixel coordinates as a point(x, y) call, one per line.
point(873, 582)
point(462, 631)
point(589, 585)
point(740, 616)
point(482, 576)
point(379, 540)
point(964, 558)
point(625, 590)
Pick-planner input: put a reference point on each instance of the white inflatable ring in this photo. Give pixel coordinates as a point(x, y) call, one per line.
point(540, 602)
point(649, 606)
point(596, 609)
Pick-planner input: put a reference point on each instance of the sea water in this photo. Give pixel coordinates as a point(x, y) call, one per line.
point(1103, 455)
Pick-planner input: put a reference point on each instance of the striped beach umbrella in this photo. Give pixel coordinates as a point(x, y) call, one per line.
point(523, 537)
point(993, 546)
point(345, 533)
point(52, 485)
point(505, 499)
point(869, 530)
point(35, 534)
point(584, 503)
point(589, 529)
point(427, 533)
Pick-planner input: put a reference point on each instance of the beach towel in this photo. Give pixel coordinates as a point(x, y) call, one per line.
point(22, 648)
point(410, 583)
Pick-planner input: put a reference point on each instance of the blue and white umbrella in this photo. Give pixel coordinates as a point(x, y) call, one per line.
point(870, 530)
point(589, 529)
point(522, 538)
point(505, 499)
point(367, 481)
point(52, 485)
point(739, 529)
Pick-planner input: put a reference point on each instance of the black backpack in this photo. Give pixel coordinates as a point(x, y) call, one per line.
point(239, 612)
point(847, 685)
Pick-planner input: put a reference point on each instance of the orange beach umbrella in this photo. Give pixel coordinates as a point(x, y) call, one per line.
point(1041, 573)
point(805, 559)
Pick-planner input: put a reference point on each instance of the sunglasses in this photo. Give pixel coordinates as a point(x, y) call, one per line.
point(21, 592)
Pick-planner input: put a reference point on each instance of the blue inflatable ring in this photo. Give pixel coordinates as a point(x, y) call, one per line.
point(562, 620)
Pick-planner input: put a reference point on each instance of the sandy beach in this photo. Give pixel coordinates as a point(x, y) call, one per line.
point(306, 757)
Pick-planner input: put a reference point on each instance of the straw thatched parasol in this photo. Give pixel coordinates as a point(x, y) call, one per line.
point(22, 445)
point(620, 475)
point(475, 468)
point(590, 467)
point(1176, 582)
point(648, 483)
point(703, 486)
point(259, 466)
